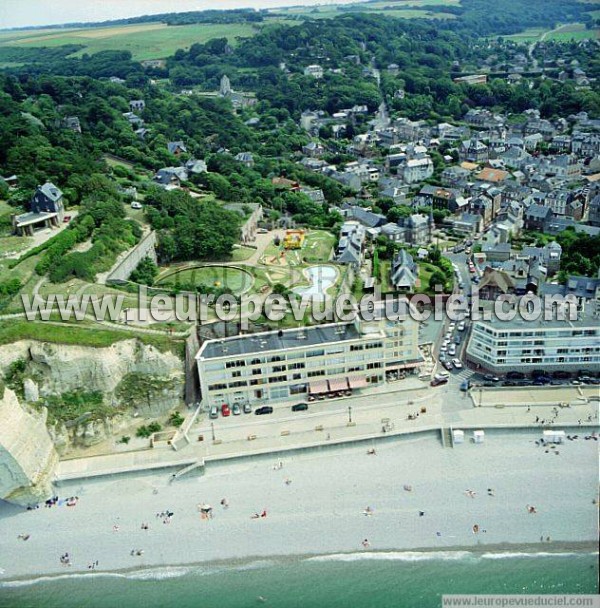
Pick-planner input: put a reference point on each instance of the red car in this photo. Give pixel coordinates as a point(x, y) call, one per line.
point(225, 411)
point(67, 219)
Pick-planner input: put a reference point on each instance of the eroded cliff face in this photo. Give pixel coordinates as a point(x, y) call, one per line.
point(133, 378)
point(27, 456)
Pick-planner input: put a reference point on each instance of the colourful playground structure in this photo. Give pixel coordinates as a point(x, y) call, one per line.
point(293, 239)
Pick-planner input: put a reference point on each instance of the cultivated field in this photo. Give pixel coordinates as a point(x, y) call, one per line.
point(400, 9)
point(563, 33)
point(144, 40)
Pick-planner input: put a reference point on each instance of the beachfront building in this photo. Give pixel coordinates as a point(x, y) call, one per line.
point(305, 363)
point(525, 346)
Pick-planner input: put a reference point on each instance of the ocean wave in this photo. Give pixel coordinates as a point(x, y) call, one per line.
point(158, 573)
point(512, 555)
point(404, 556)
point(58, 577)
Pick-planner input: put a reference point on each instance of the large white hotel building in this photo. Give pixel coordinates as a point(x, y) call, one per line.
point(311, 361)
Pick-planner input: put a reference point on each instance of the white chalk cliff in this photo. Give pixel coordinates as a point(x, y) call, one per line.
point(27, 455)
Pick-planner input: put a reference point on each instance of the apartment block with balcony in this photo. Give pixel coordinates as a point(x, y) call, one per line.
point(298, 364)
point(525, 346)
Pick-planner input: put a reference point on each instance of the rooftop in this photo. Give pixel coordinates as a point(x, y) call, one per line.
point(278, 340)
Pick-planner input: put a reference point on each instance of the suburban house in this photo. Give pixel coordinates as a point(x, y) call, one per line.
point(473, 150)
point(538, 217)
point(495, 283)
point(316, 71)
point(350, 246)
point(404, 272)
point(245, 158)
point(170, 177)
point(137, 105)
point(176, 148)
point(47, 209)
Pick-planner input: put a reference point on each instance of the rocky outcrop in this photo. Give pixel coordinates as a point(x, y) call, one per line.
point(59, 368)
point(27, 456)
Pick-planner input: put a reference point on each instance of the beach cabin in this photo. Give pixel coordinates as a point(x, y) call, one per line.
point(458, 436)
point(554, 436)
point(478, 436)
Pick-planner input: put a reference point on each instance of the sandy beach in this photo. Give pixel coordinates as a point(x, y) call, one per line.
point(321, 509)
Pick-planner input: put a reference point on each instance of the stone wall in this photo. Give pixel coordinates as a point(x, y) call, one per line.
point(122, 271)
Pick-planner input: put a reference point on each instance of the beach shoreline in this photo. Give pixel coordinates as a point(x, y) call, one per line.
point(497, 551)
point(413, 499)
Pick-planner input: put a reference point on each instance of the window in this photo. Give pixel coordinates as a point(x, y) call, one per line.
point(297, 389)
point(315, 353)
point(317, 372)
point(236, 374)
point(217, 387)
point(279, 368)
point(296, 366)
point(238, 383)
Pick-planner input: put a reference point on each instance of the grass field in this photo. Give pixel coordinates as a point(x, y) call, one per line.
point(12, 330)
point(391, 9)
point(234, 279)
point(563, 33)
point(144, 40)
point(572, 31)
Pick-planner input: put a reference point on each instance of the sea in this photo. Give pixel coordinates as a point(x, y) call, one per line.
point(362, 580)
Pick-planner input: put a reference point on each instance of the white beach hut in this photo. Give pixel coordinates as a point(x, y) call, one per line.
point(458, 436)
point(554, 436)
point(478, 436)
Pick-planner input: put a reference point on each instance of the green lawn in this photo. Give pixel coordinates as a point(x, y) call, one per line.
point(12, 330)
point(144, 40)
point(317, 246)
point(234, 279)
point(573, 31)
point(529, 35)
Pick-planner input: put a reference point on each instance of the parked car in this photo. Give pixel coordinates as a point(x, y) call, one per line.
point(452, 350)
point(236, 410)
point(437, 380)
point(214, 412)
point(300, 407)
point(225, 411)
point(136, 205)
point(67, 219)
point(509, 383)
point(465, 385)
point(461, 326)
point(265, 409)
point(262, 231)
point(515, 376)
point(457, 364)
point(247, 408)
point(491, 378)
point(448, 365)
point(457, 339)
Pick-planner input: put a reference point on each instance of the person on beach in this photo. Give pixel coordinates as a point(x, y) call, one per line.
point(264, 513)
point(368, 511)
point(255, 516)
point(224, 503)
point(287, 481)
point(531, 509)
point(365, 543)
